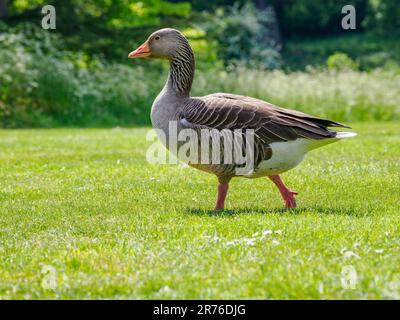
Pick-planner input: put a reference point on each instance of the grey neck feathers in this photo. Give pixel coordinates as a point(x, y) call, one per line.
point(181, 72)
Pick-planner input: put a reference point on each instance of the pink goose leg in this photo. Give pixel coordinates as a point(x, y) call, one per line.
point(287, 195)
point(222, 191)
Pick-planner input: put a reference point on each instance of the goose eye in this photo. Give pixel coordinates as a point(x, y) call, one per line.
point(157, 38)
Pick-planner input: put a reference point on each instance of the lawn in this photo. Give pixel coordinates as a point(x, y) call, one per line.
point(83, 215)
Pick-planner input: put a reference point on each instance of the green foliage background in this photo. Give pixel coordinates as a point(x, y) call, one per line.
point(78, 74)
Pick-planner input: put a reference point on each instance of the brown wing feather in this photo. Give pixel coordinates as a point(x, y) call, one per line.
point(270, 123)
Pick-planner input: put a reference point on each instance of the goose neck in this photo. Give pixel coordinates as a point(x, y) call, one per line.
point(181, 72)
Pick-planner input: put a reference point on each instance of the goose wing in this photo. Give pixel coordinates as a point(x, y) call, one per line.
point(270, 123)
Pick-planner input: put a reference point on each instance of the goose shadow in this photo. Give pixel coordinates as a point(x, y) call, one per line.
point(298, 211)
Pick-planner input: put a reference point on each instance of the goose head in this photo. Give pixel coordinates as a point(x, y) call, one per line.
point(162, 44)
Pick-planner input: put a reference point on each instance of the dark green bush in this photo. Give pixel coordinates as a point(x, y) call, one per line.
point(316, 18)
point(239, 32)
point(383, 17)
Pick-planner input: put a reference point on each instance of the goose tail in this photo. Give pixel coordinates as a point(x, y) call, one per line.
point(314, 144)
point(343, 135)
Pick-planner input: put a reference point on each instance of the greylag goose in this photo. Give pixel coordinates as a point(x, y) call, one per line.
point(281, 137)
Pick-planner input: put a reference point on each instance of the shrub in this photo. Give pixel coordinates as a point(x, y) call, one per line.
point(239, 32)
point(340, 61)
point(44, 86)
point(378, 60)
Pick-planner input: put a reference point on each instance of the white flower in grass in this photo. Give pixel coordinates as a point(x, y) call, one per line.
point(349, 254)
point(250, 242)
point(379, 250)
point(266, 232)
point(211, 238)
point(275, 242)
point(320, 287)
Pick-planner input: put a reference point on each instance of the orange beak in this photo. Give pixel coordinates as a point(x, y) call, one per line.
point(141, 52)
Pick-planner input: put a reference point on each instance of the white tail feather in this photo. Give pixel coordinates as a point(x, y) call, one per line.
point(342, 135)
point(314, 144)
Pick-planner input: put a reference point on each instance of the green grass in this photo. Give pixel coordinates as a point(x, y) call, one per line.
point(86, 203)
